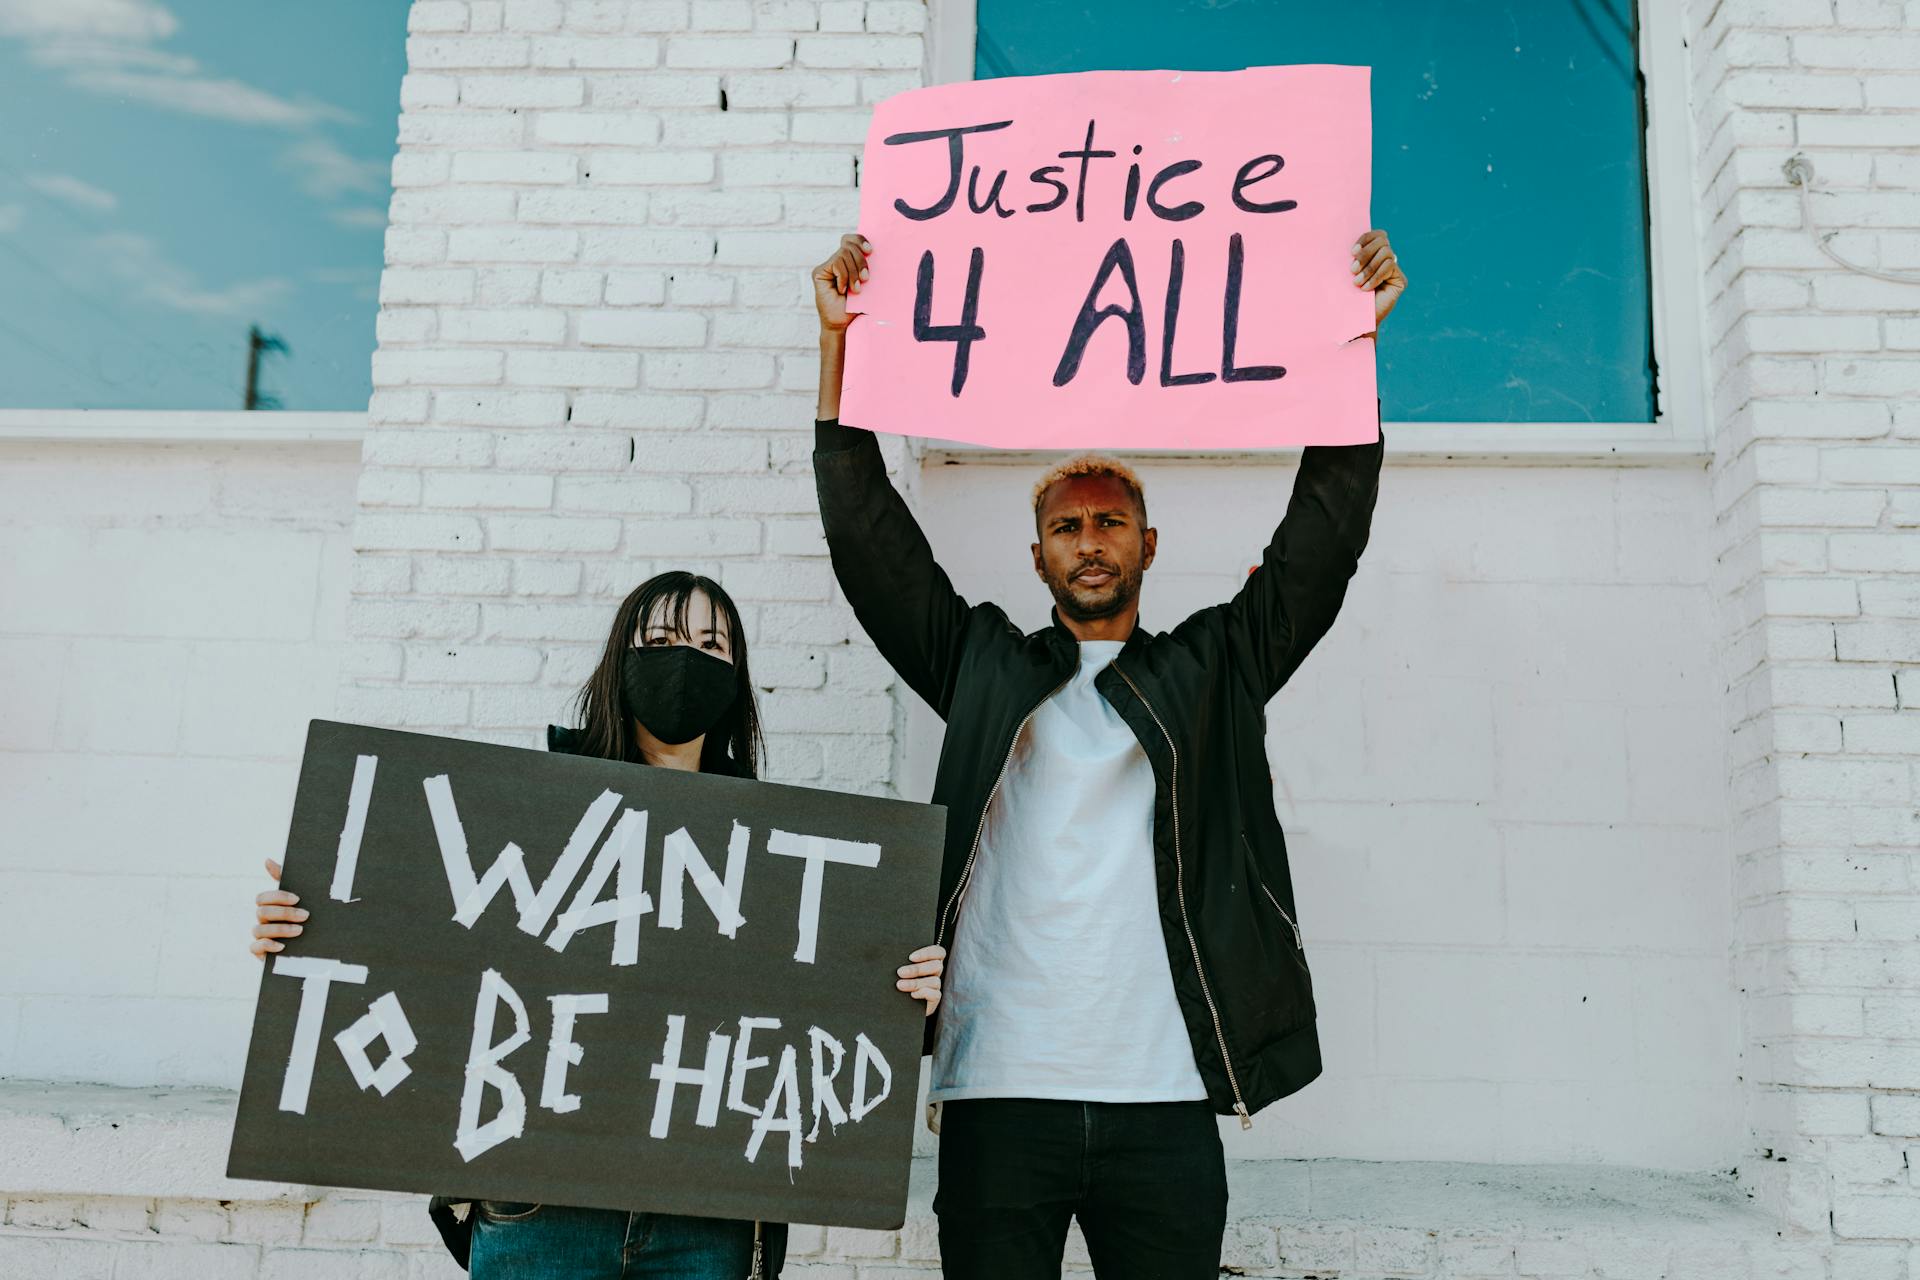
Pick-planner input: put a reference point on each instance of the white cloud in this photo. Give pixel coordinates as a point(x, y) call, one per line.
point(127, 21)
point(108, 47)
point(79, 55)
point(230, 100)
point(11, 217)
point(74, 191)
point(141, 265)
point(360, 282)
point(367, 218)
point(326, 171)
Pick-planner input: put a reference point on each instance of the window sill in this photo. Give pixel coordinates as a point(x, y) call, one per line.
point(104, 1140)
point(187, 426)
point(1532, 444)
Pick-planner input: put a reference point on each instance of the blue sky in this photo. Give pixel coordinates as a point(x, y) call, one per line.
point(172, 172)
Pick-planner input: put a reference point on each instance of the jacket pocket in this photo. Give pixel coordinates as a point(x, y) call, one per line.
point(507, 1210)
point(1255, 882)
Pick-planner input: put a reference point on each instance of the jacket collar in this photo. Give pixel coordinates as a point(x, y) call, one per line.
point(573, 742)
point(1058, 634)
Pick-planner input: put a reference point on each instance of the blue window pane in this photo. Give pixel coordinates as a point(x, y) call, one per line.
point(1508, 167)
point(174, 174)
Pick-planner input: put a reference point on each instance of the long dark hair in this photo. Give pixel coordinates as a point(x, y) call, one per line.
point(732, 746)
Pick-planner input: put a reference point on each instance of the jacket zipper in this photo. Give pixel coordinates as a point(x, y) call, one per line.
point(1270, 898)
point(759, 1253)
point(1180, 892)
point(966, 870)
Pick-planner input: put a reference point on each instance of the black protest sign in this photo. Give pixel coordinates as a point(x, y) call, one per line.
point(574, 981)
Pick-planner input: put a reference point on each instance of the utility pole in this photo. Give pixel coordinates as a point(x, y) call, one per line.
point(259, 344)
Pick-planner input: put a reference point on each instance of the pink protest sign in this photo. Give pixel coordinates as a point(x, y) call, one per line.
point(1118, 259)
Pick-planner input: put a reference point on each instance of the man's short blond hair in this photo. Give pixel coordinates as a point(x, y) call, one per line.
point(1090, 464)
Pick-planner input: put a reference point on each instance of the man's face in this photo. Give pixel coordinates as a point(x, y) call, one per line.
point(1094, 546)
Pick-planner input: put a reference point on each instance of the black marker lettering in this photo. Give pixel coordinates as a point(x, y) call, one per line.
point(1039, 176)
point(1085, 154)
point(1246, 178)
point(1118, 257)
point(1230, 326)
point(962, 335)
point(1179, 212)
point(1176, 270)
point(954, 166)
point(993, 194)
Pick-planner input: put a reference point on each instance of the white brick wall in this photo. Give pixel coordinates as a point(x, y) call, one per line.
point(593, 358)
point(1502, 777)
point(163, 1208)
point(1816, 440)
point(172, 618)
point(685, 328)
point(389, 1238)
point(596, 362)
point(1795, 535)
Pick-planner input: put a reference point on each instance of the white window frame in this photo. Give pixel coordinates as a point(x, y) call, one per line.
point(177, 426)
point(1680, 433)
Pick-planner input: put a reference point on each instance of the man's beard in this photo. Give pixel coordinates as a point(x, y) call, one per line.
point(1091, 605)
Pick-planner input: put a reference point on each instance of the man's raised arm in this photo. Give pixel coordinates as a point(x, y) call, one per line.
point(1292, 597)
point(882, 560)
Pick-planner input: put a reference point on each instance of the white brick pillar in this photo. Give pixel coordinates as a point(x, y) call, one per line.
point(1816, 406)
point(597, 355)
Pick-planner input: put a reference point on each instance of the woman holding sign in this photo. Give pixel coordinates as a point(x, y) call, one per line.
point(671, 689)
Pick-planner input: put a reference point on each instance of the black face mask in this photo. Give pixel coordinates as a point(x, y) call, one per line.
point(677, 692)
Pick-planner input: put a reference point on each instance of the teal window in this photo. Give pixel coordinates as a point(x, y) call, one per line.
point(1509, 168)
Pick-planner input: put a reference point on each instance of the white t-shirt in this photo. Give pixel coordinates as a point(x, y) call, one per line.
point(1057, 985)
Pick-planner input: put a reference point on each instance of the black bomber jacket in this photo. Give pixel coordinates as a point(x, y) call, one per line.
point(1195, 697)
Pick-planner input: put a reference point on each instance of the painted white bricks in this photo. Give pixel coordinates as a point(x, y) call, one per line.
point(1583, 763)
point(398, 287)
point(730, 52)
point(388, 1237)
point(596, 362)
point(642, 329)
point(169, 636)
point(1817, 373)
point(873, 51)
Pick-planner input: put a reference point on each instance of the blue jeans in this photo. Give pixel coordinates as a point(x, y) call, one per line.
point(1147, 1181)
point(514, 1241)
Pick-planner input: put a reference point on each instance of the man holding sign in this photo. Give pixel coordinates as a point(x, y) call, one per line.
point(1125, 958)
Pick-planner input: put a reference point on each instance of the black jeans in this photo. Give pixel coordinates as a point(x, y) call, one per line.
point(1147, 1180)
